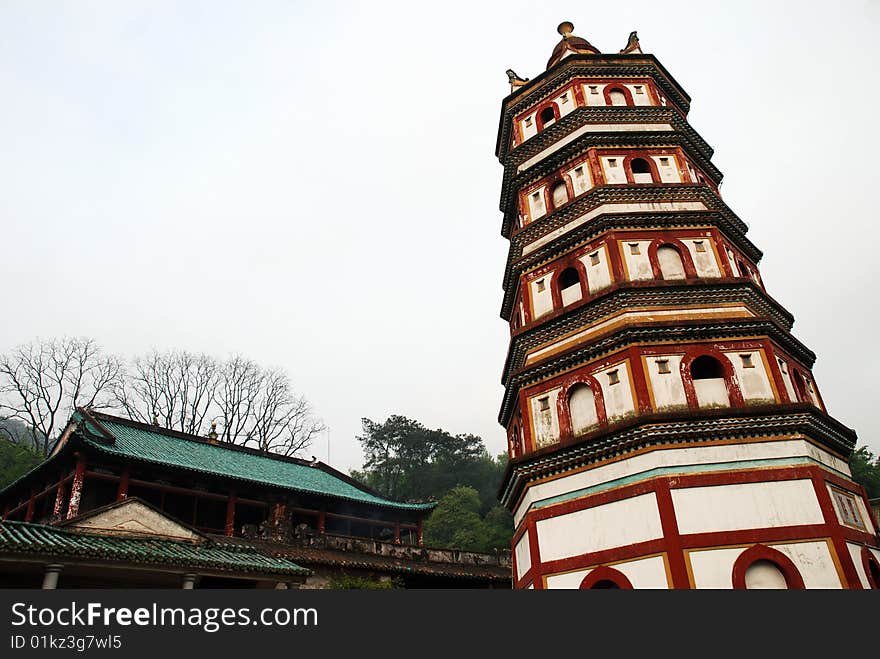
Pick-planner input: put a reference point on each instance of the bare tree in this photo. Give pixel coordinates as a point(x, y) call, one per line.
point(42, 382)
point(176, 388)
point(258, 408)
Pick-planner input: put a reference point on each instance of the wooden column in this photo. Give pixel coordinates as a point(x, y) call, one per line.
point(421, 538)
point(58, 509)
point(230, 516)
point(76, 486)
point(29, 515)
point(122, 492)
point(322, 522)
point(397, 533)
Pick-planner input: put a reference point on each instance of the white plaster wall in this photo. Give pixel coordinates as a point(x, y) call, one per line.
point(855, 552)
point(638, 266)
point(598, 528)
point(669, 171)
point(537, 207)
point(542, 301)
point(746, 506)
point(582, 407)
point(523, 556)
point(545, 422)
point(714, 568)
point(528, 126)
point(786, 378)
point(594, 98)
point(643, 573)
point(811, 391)
point(580, 182)
point(618, 397)
point(598, 274)
point(565, 102)
point(711, 392)
point(754, 383)
point(614, 170)
point(571, 294)
point(667, 388)
point(677, 460)
point(704, 262)
point(639, 99)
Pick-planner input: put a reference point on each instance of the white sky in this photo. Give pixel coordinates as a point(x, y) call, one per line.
point(313, 185)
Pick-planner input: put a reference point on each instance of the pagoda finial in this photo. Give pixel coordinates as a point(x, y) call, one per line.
point(570, 44)
point(566, 28)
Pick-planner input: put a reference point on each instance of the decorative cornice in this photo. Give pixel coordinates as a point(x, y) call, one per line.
point(634, 295)
point(684, 427)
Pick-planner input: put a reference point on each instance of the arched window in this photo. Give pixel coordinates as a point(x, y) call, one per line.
point(765, 575)
point(617, 97)
point(570, 286)
point(641, 171)
point(582, 409)
point(547, 117)
point(559, 194)
point(800, 387)
point(707, 374)
point(872, 568)
point(743, 270)
point(671, 265)
point(606, 578)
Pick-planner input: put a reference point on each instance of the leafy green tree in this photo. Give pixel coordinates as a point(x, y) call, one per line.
point(16, 460)
point(456, 521)
point(865, 468)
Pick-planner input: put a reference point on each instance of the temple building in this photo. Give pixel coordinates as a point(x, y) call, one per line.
point(664, 426)
point(122, 503)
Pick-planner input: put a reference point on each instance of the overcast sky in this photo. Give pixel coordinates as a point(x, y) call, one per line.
point(313, 185)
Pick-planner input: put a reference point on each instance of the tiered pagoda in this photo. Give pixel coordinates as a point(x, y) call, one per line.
point(664, 426)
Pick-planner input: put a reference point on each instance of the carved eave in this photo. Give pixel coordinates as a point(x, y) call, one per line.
point(656, 333)
point(612, 66)
point(635, 295)
point(681, 427)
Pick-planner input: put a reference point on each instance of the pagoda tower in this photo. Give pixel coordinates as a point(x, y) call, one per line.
point(664, 426)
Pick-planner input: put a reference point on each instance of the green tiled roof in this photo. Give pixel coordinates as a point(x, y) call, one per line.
point(26, 538)
point(135, 441)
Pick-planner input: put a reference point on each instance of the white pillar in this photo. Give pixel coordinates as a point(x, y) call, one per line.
point(50, 578)
point(189, 581)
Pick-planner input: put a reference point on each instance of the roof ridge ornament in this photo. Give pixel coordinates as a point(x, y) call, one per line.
point(566, 28)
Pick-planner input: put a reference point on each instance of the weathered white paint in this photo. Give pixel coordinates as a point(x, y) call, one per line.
point(537, 207)
point(598, 528)
point(638, 266)
point(617, 97)
point(528, 126)
point(711, 392)
point(598, 269)
point(615, 172)
point(671, 265)
point(643, 573)
point(704, 262)
point(541, 295)
point(571, 294)
point(523, 555)
point(614, 209)
point(593, 94)
point(640, 94)
point(754, 382)
point(855, 552)
point(626, 317)
point(764, 575)
point(565, 102)
point(794, 449)
point(619, 399)
point(581, 179)
point(582, 407)
point(134, 517)
point(592, 128)
point(714, 568)
point(786, 378)
point(746, 506)
point(667, 166)
point(545, 422)
point(559, 194)
point(666, 388)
